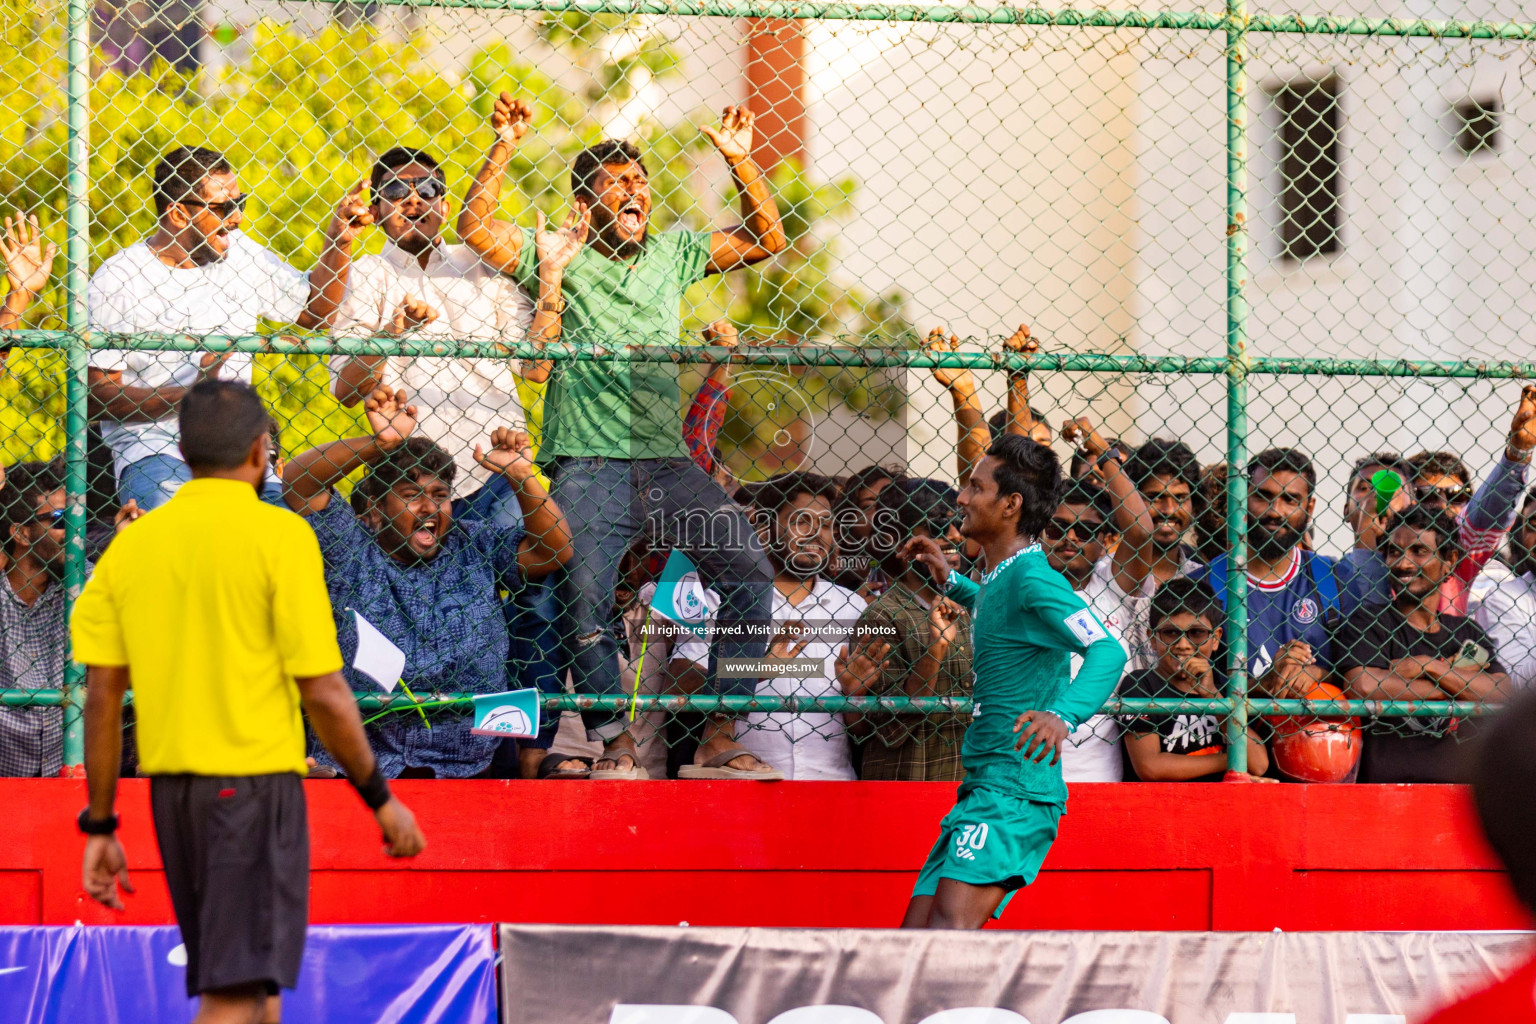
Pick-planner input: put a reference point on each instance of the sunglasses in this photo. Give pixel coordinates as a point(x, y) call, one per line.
point(222, 210)
point(53, 517)
point(1171, 635)
point(397, 189)
point(1057, 529)
point(1449, 495)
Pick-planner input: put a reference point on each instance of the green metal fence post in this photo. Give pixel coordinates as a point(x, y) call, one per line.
point(77, 257)
point(1237, 382)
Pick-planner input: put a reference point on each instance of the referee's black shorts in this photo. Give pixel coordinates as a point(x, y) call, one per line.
point(236, 854)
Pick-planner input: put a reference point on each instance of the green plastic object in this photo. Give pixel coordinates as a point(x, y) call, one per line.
point(1386, 484)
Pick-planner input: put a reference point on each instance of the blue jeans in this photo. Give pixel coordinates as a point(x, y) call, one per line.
point(154, 480)
point(677, 504)
point(533, 657)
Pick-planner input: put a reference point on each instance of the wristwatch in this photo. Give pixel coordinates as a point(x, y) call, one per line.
point(552, 305)
point(94, 826)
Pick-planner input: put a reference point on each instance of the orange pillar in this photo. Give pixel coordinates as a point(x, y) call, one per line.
point(776, 88)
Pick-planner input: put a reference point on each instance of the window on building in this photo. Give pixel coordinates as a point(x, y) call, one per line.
point(1310, 211)
point(1476, 124)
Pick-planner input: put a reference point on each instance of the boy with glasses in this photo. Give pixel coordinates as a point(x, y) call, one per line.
point(1180, 746)
point(197, 274)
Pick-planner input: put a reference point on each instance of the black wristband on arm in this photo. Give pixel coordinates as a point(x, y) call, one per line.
point(375, 792)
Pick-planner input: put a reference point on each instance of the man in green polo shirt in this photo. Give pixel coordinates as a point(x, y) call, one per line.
point(613, 440)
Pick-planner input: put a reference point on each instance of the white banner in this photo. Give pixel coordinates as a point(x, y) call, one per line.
point(596, 975)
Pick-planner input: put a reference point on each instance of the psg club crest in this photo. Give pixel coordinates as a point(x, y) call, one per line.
point(1305, 611)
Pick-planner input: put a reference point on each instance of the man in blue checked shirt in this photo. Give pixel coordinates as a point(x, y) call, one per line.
point(431, 585)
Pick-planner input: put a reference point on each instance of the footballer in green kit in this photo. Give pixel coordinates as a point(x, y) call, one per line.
point(1026, 623)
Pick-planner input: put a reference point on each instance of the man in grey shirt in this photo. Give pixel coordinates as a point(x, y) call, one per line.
point(33, 630)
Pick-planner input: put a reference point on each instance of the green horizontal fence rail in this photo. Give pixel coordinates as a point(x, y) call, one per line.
point(705, 703)
point(1233, 23)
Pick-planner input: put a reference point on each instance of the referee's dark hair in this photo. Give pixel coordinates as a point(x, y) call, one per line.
point(1503, 779)
point(1033, 472)
point(220, 420)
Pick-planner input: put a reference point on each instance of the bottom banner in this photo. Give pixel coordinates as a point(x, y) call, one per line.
point(427, 974)
point(592, 975)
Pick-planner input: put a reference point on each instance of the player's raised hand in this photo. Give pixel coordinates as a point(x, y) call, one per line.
point(927, 551)
point(402, 836)
point(1040, 733)
point(512, 118)
point(389, 417)
point(104, 870)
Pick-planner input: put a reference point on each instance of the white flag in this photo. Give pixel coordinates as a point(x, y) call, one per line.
point(377, 657)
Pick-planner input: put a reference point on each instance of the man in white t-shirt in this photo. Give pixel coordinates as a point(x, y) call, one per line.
point(198, 274)
point(1153, 490)
point(419, 287)
point(1080, 536)
point(813, 618)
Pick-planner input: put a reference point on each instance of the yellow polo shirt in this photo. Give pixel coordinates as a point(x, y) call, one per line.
point(215, 601)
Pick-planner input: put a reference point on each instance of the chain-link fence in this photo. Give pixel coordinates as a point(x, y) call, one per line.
point(647, 427)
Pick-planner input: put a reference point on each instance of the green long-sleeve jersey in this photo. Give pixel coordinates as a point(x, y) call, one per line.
point(1025, 623)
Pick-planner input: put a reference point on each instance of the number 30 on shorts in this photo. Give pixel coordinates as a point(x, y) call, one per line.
point(971, 837)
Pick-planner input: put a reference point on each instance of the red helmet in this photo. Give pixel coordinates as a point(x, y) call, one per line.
point(1317, 749)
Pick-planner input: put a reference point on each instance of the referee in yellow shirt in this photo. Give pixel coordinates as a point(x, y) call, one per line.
point(213, 610)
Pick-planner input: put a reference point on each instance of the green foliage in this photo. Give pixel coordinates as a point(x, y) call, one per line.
point(301, 116)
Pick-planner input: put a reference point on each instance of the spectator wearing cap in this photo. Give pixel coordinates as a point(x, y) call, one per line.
point(1483, 518)
point(911, 641)
point(812, 619)
point(1152, 490)
point(1078, 537)
point(1413, 649)
point(1508, 612)
point(33, 628)
point(430, 584)
point(196, 274)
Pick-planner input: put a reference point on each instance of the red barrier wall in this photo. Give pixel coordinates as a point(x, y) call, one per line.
point(1132, 856)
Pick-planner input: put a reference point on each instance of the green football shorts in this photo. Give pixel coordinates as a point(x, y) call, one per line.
point(990, 838)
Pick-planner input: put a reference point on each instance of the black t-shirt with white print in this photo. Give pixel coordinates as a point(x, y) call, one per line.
point(1186, 733)
point(1412, 749)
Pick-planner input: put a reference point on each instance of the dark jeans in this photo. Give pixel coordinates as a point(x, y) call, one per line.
point(607, 502)
point(533, 656)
